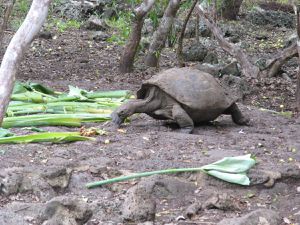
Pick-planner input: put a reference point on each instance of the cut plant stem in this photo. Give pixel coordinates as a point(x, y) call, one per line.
point(70, 120)
point(55, 137)
point(138, 175)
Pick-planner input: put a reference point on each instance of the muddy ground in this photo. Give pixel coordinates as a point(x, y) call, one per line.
point(45, 183)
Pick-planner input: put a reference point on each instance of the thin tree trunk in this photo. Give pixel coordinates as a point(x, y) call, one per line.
point(15, 50)
point(248, 68)
point(160, 36)
point(6, 15)
point(181, 36)
point(127, 59)
point(298, 48)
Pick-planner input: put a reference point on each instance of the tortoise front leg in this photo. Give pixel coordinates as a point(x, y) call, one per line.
point(237, 115)
point(184, 121)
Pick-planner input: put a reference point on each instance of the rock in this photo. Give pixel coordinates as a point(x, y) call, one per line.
point(9, 217)
point(274, 18)
point(45, 35)
point(64, 210)
point(100, 36)
point(208, 68)
point(139, 205)
point(193, 210)
point(194, 52)
point(204, 31)
point(238, 86)
point(57, 178)
point(223, 202)
point(231, 69)
point(11, 180)
point(148, 27)
point(108, 13)
point(211, 58)
point(94, 23)
point(290, 40)
point(257, 217)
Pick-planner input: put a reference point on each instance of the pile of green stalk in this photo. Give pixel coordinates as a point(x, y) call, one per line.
point(35, 105)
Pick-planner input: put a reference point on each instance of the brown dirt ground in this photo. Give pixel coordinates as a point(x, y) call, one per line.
point(74, 59)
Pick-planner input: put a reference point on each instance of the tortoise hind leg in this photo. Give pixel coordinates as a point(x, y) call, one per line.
point(237, 115)
point(184, 121)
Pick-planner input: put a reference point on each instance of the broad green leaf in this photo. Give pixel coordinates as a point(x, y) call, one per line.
point(77, 92)
point(19, 88)
point(5, 133)
point(238, 164)
point(236, 178)
point(55, 137)
point(42, 89)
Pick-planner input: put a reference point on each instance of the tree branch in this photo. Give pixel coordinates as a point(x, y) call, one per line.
point(127, 59)
point(248, 69)
point(15, 50)
point(181, 36)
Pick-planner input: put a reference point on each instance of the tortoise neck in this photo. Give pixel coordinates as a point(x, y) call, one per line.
point(145, 106)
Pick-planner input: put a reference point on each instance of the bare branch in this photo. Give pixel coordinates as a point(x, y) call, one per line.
point(181, 36)
point(127, 59)
point(160, 36)
point(248, 68)
point(13, 55)
point(6, 15)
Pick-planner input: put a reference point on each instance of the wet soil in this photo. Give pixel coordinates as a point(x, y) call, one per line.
point(73, 58)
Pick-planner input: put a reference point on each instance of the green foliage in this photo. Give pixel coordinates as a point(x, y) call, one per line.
point(121, 27)
point(63, 25)
point(20, 11)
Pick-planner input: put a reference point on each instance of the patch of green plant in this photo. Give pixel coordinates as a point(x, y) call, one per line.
point(62, 25)
point(121, 27)
point(19, 13)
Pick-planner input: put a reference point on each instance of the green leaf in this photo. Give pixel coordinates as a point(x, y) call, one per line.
point(236, 178)
point(238, 164)
point(77, 92)
point(5, 133)
point(55, 137)
point(19, 88)
point(42, 89)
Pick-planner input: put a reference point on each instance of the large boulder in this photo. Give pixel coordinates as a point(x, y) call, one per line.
point(194, 52)
point(274, 18)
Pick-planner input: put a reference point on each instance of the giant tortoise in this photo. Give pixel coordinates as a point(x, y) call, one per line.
point(184, 95)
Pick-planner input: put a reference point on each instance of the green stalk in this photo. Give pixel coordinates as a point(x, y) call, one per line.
point(109, 94)
point(70, 120)
point(230, 169)
point(55, 137)
point(138, 175)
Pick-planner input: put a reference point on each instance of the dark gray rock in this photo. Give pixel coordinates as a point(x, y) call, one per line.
point(148, 27)
point(64, 210)
point(100, 36)
point(140, 204)
point(9, 217)
point(204, 31)
point(274, 18)
point(231, 69)
point(257, 217)
point(94, 23)
point(211, 58)
point(208, 68)
point(194, 52)
point(238, 86)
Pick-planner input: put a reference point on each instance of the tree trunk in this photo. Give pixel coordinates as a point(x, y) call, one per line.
point(127, 59)
point(15, 50)
point(181, 36)
point(248, 68)
point(160, 36)
point(230, 9)
point(298, 48)
point(6, 14)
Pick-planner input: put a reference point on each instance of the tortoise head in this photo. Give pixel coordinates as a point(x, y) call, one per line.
point(120, 114)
